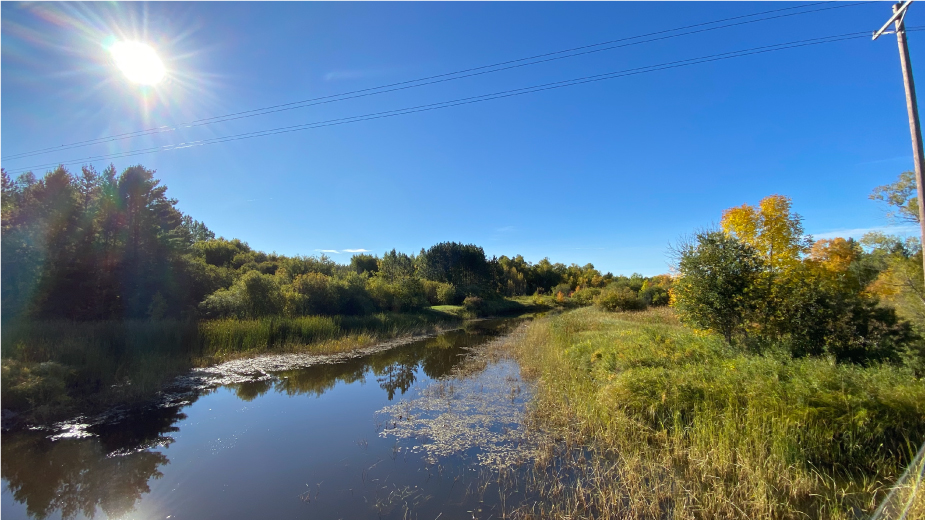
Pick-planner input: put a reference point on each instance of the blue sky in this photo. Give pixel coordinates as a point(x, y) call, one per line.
point(609, 173)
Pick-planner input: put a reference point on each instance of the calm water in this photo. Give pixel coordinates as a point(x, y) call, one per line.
point(392, 435)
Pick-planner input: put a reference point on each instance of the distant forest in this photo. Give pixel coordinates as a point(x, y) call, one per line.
point(104, 246)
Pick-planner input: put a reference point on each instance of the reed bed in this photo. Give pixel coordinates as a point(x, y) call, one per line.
point(653, 420)
point(223, 338)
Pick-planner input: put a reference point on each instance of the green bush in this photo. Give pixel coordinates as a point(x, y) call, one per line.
point(563, 288)
point(220, 252)
point(30, 385)
point(620, 298)
point(719, 286)
point(440, 293)
point(253, 295)
point(223, 303)
point(310, 293)
point(473, 303)
point(447, 294)
point(654, 296)
point(402, 294)
point(586, 295)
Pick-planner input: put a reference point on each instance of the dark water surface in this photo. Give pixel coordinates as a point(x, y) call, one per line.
point(328, 441)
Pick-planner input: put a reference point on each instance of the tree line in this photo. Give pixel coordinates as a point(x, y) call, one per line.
point(111, 246)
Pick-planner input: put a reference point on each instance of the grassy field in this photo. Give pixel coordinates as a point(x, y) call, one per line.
point(51, 369)
point(657, 421)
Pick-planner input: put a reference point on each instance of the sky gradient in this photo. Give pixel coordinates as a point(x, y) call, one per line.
point(610, 172)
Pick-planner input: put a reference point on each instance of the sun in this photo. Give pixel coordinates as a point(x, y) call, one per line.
point(139, 62)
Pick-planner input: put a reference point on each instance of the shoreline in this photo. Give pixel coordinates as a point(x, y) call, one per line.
point(181, 388)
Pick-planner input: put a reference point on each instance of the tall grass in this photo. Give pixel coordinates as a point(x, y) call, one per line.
point(52, 368)
point(657, 421)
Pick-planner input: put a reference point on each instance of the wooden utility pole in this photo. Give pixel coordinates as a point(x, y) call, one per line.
point(899, 15)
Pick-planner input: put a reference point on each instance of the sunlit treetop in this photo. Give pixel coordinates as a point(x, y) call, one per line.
point(770, 228)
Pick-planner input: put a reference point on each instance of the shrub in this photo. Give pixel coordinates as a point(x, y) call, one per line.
point(430, 292)
point(220, 252)
point(718, 288)
point(223, 303)
point(252, 296)
point(473, 303)
point(654, 296)
point(447, 294)
point(403, 294)
point(439, 293)
point(350, 295)
point(819, 315)
point(310, 294)
point(362, 263)
point(620, 299)
point(262, 296)
point(563, 288)
point(586, 295)
point(34, 384)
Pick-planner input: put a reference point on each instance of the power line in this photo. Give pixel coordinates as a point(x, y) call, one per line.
point(477, 99)
point(450, 76)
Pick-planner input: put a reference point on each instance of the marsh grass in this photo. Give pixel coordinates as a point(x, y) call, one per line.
point(55, 368)
point(316, 334)
point(656, 421)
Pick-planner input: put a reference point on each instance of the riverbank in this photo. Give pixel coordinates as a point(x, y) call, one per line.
point(56, 369)
point(658, 421)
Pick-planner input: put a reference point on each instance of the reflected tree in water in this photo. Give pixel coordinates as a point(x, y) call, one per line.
point(395, 369)
point(398, 376)
point(252, 389)
point(109, 471)
point(76, 476)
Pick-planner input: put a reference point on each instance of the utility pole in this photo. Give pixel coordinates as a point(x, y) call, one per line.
point(899, 15)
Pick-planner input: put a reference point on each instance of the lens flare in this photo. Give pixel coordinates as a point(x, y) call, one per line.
point(138, 62)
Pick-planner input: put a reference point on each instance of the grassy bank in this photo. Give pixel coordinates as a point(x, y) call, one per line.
point(54, 368)
point(511, 306)
point(657, 421)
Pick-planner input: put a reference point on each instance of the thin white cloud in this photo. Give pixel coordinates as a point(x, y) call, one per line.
point(859, 232)
point(502, 233)
point(328, 251)
point(356, 250)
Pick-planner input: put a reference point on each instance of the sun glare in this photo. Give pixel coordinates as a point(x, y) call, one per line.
point(138, 62)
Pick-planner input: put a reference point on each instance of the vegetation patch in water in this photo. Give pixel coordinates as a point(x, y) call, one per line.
point(476, 411)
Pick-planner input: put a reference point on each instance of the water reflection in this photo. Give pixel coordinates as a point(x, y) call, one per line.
point(395, 370)
point(109, 471)
point(112, 470)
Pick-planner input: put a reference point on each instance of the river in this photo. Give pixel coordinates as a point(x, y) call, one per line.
point(430, 429)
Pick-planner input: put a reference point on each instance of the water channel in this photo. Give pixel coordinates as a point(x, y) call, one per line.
point(421, 430)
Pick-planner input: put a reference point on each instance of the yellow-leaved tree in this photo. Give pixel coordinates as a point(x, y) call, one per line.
point(776, 234)
point(835, 254)
point(771, 228)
